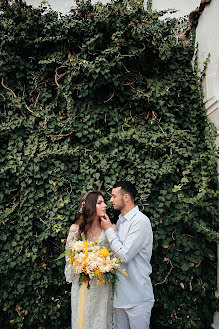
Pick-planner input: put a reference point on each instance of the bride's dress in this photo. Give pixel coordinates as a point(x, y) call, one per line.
point(99, 299)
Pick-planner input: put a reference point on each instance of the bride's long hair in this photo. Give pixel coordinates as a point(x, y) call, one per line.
point(86, 211)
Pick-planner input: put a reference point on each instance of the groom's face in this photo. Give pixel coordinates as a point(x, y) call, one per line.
point(117, 198)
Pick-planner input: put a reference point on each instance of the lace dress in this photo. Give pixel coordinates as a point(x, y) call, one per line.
point(99, 299)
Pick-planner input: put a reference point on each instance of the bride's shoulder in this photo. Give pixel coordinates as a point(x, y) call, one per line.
point(74, 228)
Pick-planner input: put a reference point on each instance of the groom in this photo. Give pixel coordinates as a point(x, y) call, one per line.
point(134, 297)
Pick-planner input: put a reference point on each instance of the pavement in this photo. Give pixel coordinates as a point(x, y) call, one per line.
point(215, 324)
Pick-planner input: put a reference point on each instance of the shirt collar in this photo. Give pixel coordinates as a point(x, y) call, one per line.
point(129, 214)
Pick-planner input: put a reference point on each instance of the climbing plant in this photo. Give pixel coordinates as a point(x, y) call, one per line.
point(104, 93)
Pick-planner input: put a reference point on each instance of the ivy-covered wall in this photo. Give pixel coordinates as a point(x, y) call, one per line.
point(104, 93)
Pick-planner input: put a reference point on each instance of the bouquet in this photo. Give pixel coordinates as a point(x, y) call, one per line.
point(89, 260)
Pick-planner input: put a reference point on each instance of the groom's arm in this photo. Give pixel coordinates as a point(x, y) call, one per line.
point(139, 235)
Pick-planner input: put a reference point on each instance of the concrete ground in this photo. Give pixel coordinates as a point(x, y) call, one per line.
point(215, 324)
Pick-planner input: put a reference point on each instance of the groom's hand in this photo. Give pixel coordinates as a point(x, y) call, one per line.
point(105, 222)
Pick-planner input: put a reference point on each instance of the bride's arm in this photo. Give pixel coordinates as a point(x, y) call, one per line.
point(73, 233)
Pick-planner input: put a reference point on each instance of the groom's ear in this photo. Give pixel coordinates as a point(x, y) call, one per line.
point(126, 197)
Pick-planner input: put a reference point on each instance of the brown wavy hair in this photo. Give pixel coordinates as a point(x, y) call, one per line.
point(86, 212)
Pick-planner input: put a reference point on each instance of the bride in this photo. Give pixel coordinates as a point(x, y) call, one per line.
point(99, 299)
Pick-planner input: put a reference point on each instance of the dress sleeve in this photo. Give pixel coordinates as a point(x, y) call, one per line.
point(69, 273)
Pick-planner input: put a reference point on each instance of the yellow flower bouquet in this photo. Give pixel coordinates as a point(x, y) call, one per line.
point(90, 261)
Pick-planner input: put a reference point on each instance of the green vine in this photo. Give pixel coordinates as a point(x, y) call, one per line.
point(104, 93)
point(149, 5)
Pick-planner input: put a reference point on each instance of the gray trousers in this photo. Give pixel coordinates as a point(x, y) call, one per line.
point(137, 317)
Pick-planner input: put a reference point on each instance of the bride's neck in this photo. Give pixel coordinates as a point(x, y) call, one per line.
point(94, 230)
point(95, 223)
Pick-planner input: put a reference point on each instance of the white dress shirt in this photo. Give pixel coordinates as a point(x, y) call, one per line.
point(133, 243)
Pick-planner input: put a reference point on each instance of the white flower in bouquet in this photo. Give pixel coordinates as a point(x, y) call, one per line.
point(77, 246)
point(93, 260)
point(106, 265)
point(78, 264)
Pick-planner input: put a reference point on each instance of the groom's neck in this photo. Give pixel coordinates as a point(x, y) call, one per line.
point(127, 208)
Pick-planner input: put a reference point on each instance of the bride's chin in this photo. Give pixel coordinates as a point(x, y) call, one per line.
point(102, 214)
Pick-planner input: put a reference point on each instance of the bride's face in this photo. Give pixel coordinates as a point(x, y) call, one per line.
point(100, 206)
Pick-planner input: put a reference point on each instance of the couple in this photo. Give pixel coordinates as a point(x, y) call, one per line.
point(130, 239)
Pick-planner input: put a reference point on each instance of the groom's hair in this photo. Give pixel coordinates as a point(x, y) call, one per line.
point(127, 187)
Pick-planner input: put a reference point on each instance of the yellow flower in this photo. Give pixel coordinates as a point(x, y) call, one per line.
point(71, 260)
point(85, 244)
point(90, 245)
point(97, 272)
point(104, 252)
point(125, 273)
point(99, 282)
point(115, 263)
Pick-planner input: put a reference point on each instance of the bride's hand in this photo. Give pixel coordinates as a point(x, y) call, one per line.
point(106, 217)
point(105, 222)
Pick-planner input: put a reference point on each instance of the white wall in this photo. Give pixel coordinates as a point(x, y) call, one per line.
point(208, 41)
point(62, 6)
point(184, 7)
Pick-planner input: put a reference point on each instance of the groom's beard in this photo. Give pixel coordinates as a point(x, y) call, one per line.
point(120, 206)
